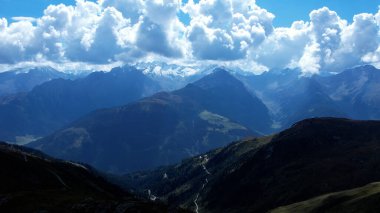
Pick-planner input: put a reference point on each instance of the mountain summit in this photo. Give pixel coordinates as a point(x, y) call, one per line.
point(230, 97)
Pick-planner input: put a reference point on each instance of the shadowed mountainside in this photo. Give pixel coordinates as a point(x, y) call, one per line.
point(34, 182)
point(312, 158)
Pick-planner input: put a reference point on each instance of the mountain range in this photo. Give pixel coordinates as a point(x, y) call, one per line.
point(292, 97)
point(206, 114)
point(58, 102)
point(164, 128)
point(289, 96)
point(170, 129)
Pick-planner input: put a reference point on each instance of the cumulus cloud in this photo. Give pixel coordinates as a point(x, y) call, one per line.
point(103, 42)
point(94, 33)
point(157, 28)
point(160, 29)
point(344, 45)
point(152, 37)
point(360, 40)
point(326, 27)
point(324, 44)
point(15, 40)
point(222, 31)
point(131, 9)
point(284, 47)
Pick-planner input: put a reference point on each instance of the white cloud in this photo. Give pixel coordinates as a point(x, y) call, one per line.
point(223, 31)
point(15, 39)
point(160, 29)
point(311, 59)
point(104, 42)
point(155, 26)
point(131, 9)
point(284, 47)
point(326, 43)
point(152, 37)
point(360, 39)
point(326, 27)
point(212, 44)
point(24, 18)
point(374, 57)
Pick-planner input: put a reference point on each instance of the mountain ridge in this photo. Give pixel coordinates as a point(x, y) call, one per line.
point(24, 80)
point(314, 157)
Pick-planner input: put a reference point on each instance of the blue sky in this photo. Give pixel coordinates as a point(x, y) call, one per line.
point(32, 8)
point(286, 11)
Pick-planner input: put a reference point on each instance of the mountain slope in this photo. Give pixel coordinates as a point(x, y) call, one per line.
point(292, 97)
point(313, 157)
point(305, 98)
point(34, 182)
point(162, 129)
point(357, 90)
point(364, 199)
point(267, 86)
point(56, 103)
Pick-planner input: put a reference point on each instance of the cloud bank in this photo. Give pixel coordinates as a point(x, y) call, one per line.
point(221, 31)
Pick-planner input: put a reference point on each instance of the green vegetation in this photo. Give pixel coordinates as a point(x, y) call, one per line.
point(222, 124)
point(365, 199)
